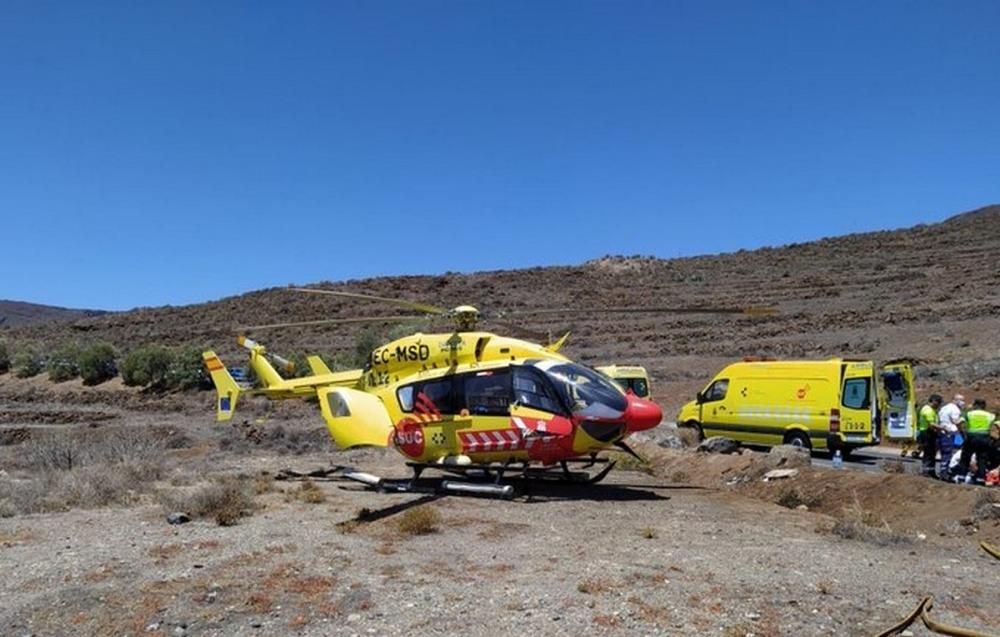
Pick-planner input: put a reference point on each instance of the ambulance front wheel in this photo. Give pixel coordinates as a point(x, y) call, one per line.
point(696, 427)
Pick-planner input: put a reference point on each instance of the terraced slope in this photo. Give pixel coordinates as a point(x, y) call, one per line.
point(931, 292)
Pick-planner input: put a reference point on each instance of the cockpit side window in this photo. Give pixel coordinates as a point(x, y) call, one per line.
point(532, 390)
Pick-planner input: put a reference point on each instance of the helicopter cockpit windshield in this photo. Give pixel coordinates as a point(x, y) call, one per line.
point(590, 395)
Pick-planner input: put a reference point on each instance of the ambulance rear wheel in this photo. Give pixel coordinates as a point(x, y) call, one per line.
point(798, 439)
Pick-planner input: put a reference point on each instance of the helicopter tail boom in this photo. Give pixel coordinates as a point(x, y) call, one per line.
point(228, 392)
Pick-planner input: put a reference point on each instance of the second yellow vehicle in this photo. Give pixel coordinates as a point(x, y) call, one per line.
point(826, 405)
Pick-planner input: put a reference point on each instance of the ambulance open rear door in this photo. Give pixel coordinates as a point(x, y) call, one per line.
point(897, 401)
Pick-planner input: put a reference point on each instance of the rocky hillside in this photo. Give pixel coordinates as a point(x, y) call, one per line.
point(20, 313)
point(931, 292)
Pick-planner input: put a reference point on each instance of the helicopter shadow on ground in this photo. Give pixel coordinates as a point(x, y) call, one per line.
point(538, 491)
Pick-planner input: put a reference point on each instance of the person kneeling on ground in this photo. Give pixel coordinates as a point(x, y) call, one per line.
point(977, 441)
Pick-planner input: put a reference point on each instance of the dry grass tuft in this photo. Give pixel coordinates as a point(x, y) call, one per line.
point(310, 492)
point(861, 524)
point(227, 499)
point(421, 520)
point(649, 533)
point(594, 585)
point(264, 483)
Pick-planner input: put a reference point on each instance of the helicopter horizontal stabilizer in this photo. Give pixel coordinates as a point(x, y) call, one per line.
point(355, 418)
point(225, 387)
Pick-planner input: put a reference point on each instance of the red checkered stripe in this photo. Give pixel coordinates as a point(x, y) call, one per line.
point(493, 440)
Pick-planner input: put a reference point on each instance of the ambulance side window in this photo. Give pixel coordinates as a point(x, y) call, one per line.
point(856, 393)
point(717, 390)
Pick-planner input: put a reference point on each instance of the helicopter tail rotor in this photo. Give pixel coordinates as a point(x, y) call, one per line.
point(262, 366)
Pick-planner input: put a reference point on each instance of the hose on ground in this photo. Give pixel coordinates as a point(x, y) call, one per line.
point(923, 612)
point(989, 548)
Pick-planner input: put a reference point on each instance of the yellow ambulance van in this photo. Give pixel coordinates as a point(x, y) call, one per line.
point(827, 405)
point(628, 377)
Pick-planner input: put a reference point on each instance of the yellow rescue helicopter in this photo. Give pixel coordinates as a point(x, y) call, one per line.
point(466, 402)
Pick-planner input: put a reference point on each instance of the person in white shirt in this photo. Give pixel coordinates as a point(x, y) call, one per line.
point(950, 421)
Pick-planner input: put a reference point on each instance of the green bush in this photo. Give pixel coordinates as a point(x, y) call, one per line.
point(148, 366)
point(187, 371)
point(367, 341)
point(97, 364)
point(27, 363)
point(64, 364)
point(4, 358)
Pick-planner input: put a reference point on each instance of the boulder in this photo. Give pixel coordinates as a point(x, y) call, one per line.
point(719, 444)
point(789, 456)
point(671, 442)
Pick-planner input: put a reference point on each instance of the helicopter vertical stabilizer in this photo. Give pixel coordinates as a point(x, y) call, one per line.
point(226, 388)
point(268, 376)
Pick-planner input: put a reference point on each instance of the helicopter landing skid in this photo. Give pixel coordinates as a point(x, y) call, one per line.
point(481, 479)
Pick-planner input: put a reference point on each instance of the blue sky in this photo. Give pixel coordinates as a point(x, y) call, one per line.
point(175, 152)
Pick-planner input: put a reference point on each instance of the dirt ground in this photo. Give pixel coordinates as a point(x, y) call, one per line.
point(688, 544)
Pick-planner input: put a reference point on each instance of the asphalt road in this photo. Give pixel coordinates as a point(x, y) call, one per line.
point(868, 459)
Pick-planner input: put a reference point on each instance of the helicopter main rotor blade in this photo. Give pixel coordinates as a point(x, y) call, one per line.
point(748, 311)
point(537, 335)
point(423, 307)
point(362, 319)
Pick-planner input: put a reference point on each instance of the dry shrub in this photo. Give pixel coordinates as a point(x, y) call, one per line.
point(227, 499)
point(68, 449)
point(420, 521)
point(794, 497)
point(987, 505)
point(859, 523)
point(84, 469)
point(649, 533)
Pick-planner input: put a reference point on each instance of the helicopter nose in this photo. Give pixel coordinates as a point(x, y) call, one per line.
point(642, 414)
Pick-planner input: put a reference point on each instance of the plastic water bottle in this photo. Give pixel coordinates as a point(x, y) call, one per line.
point(838, 460)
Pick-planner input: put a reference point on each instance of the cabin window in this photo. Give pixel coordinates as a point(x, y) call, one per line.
point(487, 393)
point(856, 393)
point(433, 396)
point(716, 391)
point(405, 397)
